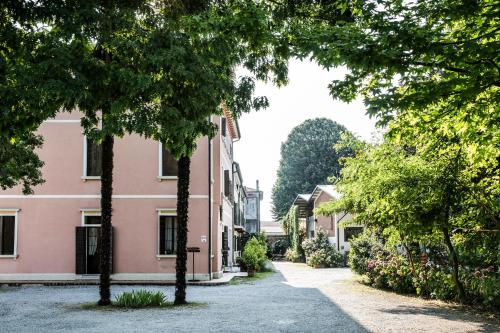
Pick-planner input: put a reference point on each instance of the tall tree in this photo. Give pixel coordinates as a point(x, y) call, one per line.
point(97, 41)
point(308, 159)
point(196, 47)
point(413, 194)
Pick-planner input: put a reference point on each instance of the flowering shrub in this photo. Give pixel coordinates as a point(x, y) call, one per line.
point(292, 255)
point(320, 253)
point(391, 270)
point(483, 286)
point(363, 249)
point(327, 257)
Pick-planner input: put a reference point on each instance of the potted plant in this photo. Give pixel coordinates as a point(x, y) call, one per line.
point(254, 256)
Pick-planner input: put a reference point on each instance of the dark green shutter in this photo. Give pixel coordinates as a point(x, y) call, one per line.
point(80, 240)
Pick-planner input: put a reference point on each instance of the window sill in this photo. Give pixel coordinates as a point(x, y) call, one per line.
point(165, 256)
point(86, 178)
point(9, 256)
point(163, 178)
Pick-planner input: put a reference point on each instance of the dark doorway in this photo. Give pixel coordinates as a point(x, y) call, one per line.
point(225, 247)
point(87, 250)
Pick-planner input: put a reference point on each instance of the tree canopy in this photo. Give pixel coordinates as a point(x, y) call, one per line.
point(307, 159)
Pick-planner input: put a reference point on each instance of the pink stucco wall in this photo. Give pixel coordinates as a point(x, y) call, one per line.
point(47, 221)
point(326, 223)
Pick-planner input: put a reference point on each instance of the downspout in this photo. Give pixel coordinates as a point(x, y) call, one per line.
point(338, 232)
point(258, 207)
point(338, 229)
point(209, 207)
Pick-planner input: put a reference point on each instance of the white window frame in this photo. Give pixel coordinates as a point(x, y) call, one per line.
point(163, 212)
point(89, 212)
point(11, 212)
point(85, 176)
point(160, 176)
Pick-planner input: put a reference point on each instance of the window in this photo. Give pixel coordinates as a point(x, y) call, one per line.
point(223, 126)
point(93, 220)
point(168, 167)
point(227, 184)
point(93, 158)
point(168, 235)
point(351, 232)
point(8, 230)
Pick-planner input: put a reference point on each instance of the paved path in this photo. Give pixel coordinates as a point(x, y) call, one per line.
point(296, 299)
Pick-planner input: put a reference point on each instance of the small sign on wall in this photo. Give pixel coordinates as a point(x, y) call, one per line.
point(203, 238)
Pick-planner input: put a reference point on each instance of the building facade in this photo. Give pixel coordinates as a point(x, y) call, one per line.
point(339, 226)
point(54, 233)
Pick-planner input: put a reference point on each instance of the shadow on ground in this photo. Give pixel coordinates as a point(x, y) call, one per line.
point(447, 313)
point(268, 305)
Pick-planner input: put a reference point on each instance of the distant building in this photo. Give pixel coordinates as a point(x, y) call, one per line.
point(252, 209)
point(337, 235)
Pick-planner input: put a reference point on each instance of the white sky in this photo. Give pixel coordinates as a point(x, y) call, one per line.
point(305, 97)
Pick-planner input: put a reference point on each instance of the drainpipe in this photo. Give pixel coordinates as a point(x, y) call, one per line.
point(258, 207)
point(209, 207)
point(338, 232)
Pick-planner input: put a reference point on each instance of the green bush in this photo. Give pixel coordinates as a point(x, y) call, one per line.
point(363, 249)
point(320, 253)
point(280, 246)
point(141, 299)
point(327, 257)
point(254, 254)
point(482, 286)
point(292, 255)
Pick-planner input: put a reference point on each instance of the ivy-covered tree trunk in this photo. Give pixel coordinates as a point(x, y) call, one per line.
point(184, 165)
point(106, 211)
point(454, 264)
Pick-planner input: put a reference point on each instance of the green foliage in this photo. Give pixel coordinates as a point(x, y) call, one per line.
point(390, 270)
point(363, 249)
point(141, 299)
point(19, 163)
point(293, 255)
point(254, 254)
point(280, 246)
point(307, 159)
point(434, 63)
point(295, 232)
point(320, 253)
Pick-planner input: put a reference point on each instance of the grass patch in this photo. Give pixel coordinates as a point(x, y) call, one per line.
point(246, 279)
point(141, 299)
point(138, 299)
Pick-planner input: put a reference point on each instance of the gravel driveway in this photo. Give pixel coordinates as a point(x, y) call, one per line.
point(295, 299)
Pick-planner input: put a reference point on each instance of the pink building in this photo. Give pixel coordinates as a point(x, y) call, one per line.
point(53, 234)
point(339, 226)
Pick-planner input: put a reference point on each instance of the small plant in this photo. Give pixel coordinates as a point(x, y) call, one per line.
point(254, 255)
point(141, 299)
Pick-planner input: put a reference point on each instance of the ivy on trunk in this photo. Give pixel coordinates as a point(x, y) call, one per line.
point(106, 213)
point(184, 164)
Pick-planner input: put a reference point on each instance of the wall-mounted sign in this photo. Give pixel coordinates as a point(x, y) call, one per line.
point(203, 238)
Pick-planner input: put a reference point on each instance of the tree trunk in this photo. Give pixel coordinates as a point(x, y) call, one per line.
point(182, 229)
point(106, 207)
point(454, 263)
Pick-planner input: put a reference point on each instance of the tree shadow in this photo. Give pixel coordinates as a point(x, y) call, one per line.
point(458, 314)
